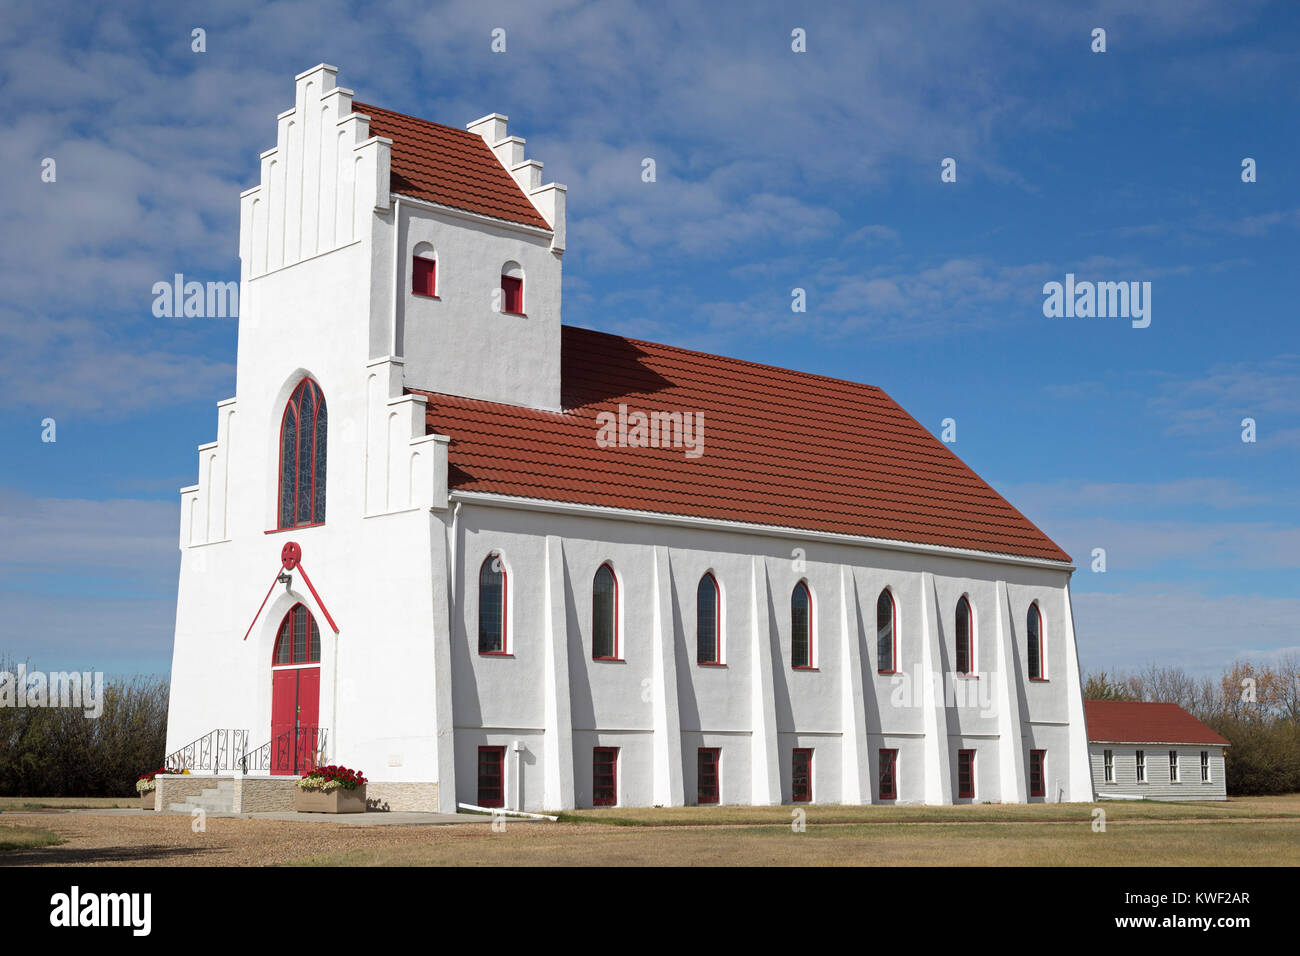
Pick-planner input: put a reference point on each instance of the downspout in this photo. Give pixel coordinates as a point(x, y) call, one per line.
point(452, 572)
point(397, 276)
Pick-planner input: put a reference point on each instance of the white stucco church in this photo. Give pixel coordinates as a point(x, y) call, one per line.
point(489, 559)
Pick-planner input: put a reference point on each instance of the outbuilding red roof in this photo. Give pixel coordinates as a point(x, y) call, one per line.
point(449, 166)
point(1140, 722)
point(780, 448)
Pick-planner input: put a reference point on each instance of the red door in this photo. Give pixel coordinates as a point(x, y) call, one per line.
point(308, 717)
point(295, 713)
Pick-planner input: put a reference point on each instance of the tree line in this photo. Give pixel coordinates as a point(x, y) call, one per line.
point(1256, 707)
point(60, 752)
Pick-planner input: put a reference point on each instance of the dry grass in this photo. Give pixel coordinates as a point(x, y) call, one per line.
point(1191, 844)
point(1257, 831)
point(66, 803)
point(1240, 808)
point(25, 838)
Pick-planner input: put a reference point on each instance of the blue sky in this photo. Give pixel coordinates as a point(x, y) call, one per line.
point(775, 170)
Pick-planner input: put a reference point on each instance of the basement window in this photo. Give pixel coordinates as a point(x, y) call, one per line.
point(801, 776)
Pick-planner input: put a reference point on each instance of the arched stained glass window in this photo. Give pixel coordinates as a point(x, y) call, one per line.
point(302, 457)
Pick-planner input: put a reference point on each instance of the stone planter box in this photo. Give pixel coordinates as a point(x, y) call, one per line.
point(336, 801)
point(149, 800)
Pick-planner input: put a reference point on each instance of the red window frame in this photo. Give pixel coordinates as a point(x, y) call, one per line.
point(604, 776)
point(424, 277)
point(512, 294)
point(889, 775)
point(491, 776)
point(801, 775)
point(966, 774)
point(964, 642)
point(505, 604)
point(708, 786)
point(892, 667)
point(614, 613)
point(717, 622)
point(1038, 773)
point(1037, 646)
point(288, 629)
point(317, 452)
point(809, 660)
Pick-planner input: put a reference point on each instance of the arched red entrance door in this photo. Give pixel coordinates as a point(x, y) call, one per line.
point(295, 693)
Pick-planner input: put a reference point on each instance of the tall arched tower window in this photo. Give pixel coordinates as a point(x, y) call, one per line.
point(708, 607)
point(302, 457)
point(965, 638)
point(1034, 638)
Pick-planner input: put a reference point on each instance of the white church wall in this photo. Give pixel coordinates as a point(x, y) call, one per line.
point(500, 357)
point(405, 694)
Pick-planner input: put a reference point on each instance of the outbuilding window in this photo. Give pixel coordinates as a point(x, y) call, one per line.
point(1205, 766)
point(1140, 760)
point(1108, 765)
point(1173, 767)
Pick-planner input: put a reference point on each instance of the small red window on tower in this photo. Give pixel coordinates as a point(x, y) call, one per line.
point(424, 277)
point(512, 294)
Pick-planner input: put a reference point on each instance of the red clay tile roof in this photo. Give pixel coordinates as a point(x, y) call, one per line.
point(781, 448)
point(449, 166)
point(1139, 722)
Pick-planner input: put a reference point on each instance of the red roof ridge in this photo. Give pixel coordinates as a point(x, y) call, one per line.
point(662, 346)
